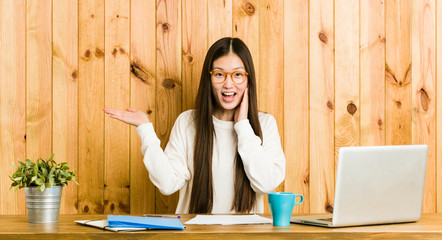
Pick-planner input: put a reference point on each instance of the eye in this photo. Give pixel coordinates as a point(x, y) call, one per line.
point(239, 74)
point(218, 74)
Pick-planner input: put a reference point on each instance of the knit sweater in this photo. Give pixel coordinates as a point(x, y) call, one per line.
point(172, 169)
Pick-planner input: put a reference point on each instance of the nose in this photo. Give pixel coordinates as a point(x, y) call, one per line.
point(229, 81)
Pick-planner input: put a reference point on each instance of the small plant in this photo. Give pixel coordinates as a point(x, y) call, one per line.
point(43, 174)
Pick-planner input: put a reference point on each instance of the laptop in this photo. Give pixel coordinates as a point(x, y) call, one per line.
point(376, 185)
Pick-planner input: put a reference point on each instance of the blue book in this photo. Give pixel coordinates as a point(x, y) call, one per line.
point(123, 221)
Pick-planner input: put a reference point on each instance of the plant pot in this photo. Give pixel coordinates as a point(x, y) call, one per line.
point(43, 207)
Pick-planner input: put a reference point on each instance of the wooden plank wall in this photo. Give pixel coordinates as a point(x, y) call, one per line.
point(333, 73)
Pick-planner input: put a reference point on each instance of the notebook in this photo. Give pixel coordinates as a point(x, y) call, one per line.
point(376, 185)
point(119, 223)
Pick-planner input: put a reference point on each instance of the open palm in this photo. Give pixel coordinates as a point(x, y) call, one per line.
point(131, 116)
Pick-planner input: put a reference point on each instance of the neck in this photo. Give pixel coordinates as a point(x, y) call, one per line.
point(224, 115)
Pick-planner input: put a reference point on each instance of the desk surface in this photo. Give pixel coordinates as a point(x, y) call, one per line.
point(17, 227)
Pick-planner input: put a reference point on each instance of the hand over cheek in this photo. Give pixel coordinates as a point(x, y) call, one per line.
point(242, 110)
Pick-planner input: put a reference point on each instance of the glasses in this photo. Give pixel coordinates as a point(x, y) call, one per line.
point(237, 77)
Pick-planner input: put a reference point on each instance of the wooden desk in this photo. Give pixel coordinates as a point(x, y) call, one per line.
point(17, 227)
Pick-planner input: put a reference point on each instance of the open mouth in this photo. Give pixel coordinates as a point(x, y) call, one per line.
point(228, 96)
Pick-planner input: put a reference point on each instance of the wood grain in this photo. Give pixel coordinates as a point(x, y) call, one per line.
point(220, 20)
point(65, 90)
point(398, 72)
point(12, 100)
point(90, 105)
point(372, 73)
point(270, 81)
point(347, 112)
point(16, 227)
point(142, 97)
point(423, 88)
point(322, 106)
point(39, 79)
point(296, 100)
point(245, 23)
point(194, 48)
point(116, 133)
point(169, 85)
point(62, 61)
point(438, 103)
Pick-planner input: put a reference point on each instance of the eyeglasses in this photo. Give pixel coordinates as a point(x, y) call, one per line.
point(237, 77)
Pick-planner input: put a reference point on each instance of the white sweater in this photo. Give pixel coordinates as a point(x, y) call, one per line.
point(172, 169)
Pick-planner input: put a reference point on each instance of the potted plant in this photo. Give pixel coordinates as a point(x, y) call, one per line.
point(43, 182)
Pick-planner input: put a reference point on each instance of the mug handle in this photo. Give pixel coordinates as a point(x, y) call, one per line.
point(302, 199)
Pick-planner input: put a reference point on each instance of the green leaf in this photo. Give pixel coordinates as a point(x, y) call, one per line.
point(43, 173)
point(39, 182)
point(33, 179)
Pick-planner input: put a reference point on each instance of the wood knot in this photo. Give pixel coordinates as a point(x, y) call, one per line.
point(112, 207)
point(307, 179)
point(74, 75)
point(87, 55)
point(330, 105)
point(351, 108)
point(165, 27)
point(190, 58)
point(86, 209)
point(149, 111)
point(122, 51)
point(168, 83)
point(329, 208)
point(99, 53)
point(380, 122)
point(139, 72)
point(92, 16)
point(424, 99)
point(323, 37)
point(398, 103)
point(118, 16)
point(124, 207)
point(249, 9)
point(114, 52)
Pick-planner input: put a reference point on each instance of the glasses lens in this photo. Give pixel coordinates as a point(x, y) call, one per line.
point(218, 76)
point(239, 76)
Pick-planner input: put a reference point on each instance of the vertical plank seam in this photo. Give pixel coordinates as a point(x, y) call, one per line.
point(103, 117)
point(334, 105)
point(359, 73)
point(78, 105)
point(130, 102)
point(52, 76)
point(435, 100)
point(156, 82)
point(308, 104)
point(283, 92)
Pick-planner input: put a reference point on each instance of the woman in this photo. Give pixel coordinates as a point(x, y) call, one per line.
point(223, 156)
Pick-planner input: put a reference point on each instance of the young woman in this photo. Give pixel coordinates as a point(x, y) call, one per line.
point(224, 155)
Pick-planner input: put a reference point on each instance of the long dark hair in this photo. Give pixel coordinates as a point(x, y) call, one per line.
point(201, 200)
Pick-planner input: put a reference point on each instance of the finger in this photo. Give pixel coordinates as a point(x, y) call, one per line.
point(129, 109)
point(111, 111)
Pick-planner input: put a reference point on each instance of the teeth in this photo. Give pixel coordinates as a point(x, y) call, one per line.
point(228, 94)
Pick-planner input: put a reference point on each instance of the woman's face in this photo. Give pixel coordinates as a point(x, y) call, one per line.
point(228, 94)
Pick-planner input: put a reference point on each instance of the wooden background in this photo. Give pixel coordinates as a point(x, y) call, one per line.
point(333, 73)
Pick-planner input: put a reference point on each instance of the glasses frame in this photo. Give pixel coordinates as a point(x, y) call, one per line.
point(231, 76)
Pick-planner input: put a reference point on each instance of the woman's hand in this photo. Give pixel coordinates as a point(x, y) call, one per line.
point(243, 108)
point(130, 116)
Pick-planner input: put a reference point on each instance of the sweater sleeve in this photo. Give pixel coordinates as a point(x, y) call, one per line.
point(167, 169)
point(264, 164)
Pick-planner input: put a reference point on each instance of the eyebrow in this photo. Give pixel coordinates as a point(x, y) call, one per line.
point(233, 68)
